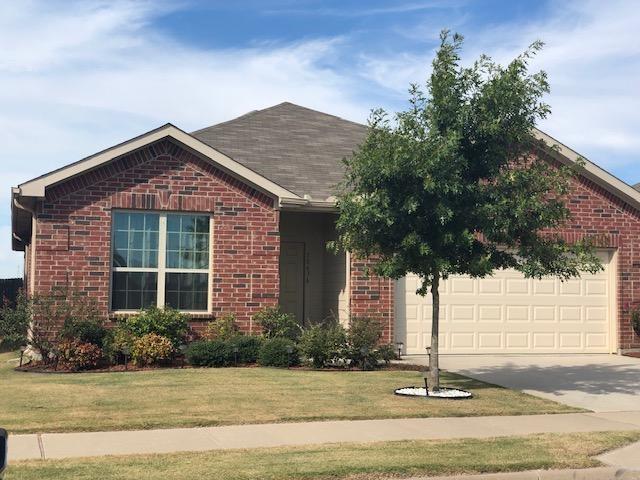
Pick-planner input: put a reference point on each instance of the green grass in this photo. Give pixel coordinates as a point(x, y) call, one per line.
point(36, 402)
point(353, 461)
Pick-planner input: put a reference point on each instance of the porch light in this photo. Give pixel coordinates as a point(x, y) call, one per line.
point(399, 346)
point(126, 351)
point(235, 355)
point(364, 352)
point(289, 352)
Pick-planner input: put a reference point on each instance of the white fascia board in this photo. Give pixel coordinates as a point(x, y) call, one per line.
point(592, 171)
point(37, 186)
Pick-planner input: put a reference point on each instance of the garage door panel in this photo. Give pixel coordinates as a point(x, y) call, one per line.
point(507, 313)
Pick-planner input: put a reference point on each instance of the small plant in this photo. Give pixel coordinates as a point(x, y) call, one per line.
point(324, 344)
point(151, 348)
point(277, 324)
point(278, 352)
point(118, 343)
point(14, 321)
point(635, 320)
point(85, 331)
point(78, 355)
point(363, 340)
point(387, 352)
point(243, 349)
point(166, 322)
point(207, 353)
point(223, 327)
point(53, 309)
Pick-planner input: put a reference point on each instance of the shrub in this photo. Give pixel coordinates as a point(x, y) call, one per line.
point(223, 327)
point(53, 309)
point(14, 321)
point(166, 322)
point(118, 341)
point(151, 348)
point(207, 353)
point(635, 321)
point(248, 349)
point(85, 331)
point(78, 355)
point(386, 353)
point(323, 344)
point(277, 324)
point(278, 352)
point(363, 338)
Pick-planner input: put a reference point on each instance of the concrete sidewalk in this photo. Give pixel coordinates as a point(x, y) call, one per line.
point(88, 444)
point(604, 473)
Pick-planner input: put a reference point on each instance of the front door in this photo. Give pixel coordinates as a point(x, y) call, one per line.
point(292, 279)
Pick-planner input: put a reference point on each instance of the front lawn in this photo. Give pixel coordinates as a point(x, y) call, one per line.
point(36, 402)
point(352, 460)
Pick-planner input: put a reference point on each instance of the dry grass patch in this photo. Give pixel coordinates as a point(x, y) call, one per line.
point(35, 402)
point(340, 461)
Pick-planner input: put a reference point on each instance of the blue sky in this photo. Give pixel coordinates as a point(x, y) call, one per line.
point(80, 76)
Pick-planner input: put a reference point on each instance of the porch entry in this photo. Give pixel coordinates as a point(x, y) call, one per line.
point(292, 256)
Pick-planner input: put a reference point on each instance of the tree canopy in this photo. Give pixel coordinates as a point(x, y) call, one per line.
point(453, 185)
point(458, 184)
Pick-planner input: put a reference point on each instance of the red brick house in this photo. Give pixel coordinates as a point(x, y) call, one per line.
point(235, 217)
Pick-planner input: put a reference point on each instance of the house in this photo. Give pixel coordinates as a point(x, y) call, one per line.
point(235, 217)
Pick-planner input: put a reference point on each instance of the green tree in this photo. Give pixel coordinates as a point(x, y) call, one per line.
point(453, 184)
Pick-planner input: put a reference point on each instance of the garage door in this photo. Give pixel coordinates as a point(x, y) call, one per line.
point(508, 313)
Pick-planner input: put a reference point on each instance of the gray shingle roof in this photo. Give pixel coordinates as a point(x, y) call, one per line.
point(637, 186)
point(298, 148)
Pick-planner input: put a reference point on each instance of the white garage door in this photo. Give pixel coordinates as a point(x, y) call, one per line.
point(508, 313)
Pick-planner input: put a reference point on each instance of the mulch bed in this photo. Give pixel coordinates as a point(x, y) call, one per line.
point(42, 368)
point(632, 354)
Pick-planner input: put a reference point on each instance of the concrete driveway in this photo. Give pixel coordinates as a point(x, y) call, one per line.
point(602, 383)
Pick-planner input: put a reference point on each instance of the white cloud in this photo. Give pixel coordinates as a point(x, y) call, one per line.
point(77, 77)
point(592, 56)
point(80, 76)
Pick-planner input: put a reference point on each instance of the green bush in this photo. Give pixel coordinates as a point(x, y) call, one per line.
point(635, 321)
point(248, 349)
point(166, 322)
point(208, 353)
point(118, 343)
point(277, 324)
point(77, 355)
point(278, 352)
point(363, 340)
point(14, 322)
point(223, 327)
point(85, 331)
point(387, 352)
point(323, 344)
point(151, 348)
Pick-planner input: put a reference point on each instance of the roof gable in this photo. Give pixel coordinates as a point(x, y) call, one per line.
point(296, 147)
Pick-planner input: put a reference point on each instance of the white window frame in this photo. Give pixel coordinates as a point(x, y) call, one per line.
point(162, 269)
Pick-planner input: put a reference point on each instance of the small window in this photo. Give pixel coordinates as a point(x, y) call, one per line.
point(160, 259)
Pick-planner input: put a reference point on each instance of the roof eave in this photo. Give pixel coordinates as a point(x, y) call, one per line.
point(590, 170)
point(37, 187)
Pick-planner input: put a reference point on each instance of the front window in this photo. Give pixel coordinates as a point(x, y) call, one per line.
point(160, 259)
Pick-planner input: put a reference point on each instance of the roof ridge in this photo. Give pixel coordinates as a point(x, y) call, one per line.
point(272, 107)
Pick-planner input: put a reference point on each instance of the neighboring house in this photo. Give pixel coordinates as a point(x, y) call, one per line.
point(235, 217)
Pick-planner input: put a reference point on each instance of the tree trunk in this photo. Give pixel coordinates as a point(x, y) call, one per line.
point(434, 369)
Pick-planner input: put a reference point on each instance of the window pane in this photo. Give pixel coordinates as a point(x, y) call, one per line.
point(135, 239)
point(134, 290)
point(187, 241)
point(186, 291)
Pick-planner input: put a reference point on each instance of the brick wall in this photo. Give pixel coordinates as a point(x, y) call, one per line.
point(595, 213)
point(74, 226)
point(371, 296)
point(617, 226)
